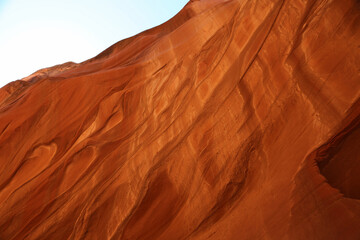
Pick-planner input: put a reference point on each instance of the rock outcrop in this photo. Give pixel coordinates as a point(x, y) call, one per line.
point(233, 120)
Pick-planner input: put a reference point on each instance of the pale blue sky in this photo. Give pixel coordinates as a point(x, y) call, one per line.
point(41, 33)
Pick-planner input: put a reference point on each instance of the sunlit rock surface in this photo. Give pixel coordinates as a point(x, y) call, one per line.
point(236, 119)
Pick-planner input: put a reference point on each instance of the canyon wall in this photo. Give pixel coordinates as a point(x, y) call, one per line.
point(236, 119)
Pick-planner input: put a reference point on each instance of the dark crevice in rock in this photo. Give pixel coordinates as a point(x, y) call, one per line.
point(339, 159)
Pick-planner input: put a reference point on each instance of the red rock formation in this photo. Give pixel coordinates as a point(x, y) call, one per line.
point(234, 120)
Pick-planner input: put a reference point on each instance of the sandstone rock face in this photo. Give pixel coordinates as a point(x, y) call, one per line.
point(236, 119)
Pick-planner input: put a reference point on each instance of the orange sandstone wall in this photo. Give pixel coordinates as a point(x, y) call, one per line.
point(236, 119)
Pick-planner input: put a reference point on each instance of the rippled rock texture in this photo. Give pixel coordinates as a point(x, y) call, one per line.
point(234, 120)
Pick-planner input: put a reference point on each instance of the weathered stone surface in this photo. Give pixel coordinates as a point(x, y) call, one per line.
point(234, 120)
